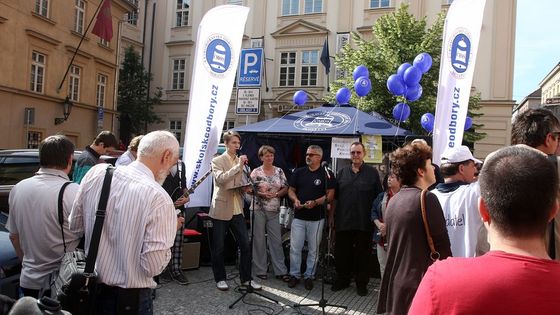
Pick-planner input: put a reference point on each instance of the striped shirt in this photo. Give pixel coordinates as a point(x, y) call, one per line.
point(139, 229)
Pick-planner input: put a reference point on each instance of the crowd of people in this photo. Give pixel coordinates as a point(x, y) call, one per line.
point(443, 247)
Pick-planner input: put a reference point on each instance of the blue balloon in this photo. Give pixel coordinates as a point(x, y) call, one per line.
point(468, 123)
point(427, 122)
point(412, 76)
point(343, 95)
point(401, 112)
point(395, 85)
point(362, 86)
point(413, 93)
point(300, 98)
point(402, 68)
point(360, 71)
point(423, 61)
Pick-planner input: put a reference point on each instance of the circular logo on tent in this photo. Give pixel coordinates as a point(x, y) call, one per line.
point(218, 55)
point(322, 121)
point(459, 53)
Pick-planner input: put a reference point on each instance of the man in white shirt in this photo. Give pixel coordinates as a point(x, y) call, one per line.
point(458, 197)
point(139, 228)
point(33, 221)
point(130, 155)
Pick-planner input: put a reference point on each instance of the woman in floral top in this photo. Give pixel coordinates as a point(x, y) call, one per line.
point(271, 187)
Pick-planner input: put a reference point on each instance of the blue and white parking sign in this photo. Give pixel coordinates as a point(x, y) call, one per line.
point(250, 65)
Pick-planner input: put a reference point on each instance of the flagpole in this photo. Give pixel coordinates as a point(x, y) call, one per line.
point(328, 84)
point(78, 48)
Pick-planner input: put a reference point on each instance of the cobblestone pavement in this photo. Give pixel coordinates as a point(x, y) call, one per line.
point(201, 296)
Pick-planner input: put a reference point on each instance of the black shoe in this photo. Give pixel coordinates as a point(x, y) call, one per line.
point(338, 286)
point(179, 277)
point(362, 291)
point(308, 284)
point(293, 282)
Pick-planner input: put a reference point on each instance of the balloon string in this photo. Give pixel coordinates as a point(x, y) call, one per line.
point(278, 120)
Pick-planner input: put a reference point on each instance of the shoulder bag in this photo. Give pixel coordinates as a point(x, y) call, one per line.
point(434, 255)
point(75, 282)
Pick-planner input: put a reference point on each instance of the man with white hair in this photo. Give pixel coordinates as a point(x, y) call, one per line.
point(458, 197)
point(139, 226)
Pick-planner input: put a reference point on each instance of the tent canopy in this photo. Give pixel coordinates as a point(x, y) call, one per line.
point(327, 120)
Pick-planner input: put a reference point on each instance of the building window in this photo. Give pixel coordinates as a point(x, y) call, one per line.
point(309, 61)
point(257, 42)
point(79, 11)
point(182, 13)
point(34, 139)
point(379, 4)
point(100, 91)
point(287, 68)
point(228, 124)
point(290, 7)
point(37, 72)
point(132, 17)
point(313, 6)
point(74, 92)
point(179, 72)
point(175, 127)
point(42, 7)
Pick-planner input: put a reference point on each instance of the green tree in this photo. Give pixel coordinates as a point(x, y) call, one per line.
point(134, 103)
point(397, 38)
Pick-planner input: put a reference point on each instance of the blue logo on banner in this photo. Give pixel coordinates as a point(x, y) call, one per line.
point(250, 64)
point(460, 53)
point(218, 55)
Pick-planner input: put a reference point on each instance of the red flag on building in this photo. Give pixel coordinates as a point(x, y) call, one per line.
point(104, 24)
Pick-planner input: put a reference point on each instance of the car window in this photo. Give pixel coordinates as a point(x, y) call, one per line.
point(14, 169)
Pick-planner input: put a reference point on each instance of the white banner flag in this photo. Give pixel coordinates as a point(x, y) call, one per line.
point(218, 45)
point(458, 57)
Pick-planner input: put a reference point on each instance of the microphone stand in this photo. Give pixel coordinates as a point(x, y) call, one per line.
point(249, 289)
point(326, 261)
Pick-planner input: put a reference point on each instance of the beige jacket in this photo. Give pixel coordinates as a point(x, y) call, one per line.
point(227, 181)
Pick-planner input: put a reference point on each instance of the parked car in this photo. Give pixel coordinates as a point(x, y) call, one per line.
point(10, 266)
point(19, 164)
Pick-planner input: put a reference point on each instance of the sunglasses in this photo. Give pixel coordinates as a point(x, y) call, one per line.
point(311, 154)
point(356, 152)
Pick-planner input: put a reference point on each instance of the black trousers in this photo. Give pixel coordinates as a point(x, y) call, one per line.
point(352, 251)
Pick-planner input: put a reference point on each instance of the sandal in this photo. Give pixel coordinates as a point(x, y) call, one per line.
point(285, 278)
point(262, 277)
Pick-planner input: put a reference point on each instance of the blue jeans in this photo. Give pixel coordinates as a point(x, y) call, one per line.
point(219, 231)
point(312, 232)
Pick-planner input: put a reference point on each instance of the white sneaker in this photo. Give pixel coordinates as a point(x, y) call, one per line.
point(222, 285)
point(254, 284)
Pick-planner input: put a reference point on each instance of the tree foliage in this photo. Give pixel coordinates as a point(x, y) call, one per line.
point(134, 103)
point(398, 37)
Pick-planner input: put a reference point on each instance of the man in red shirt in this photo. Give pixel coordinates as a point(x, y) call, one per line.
point(518, 198)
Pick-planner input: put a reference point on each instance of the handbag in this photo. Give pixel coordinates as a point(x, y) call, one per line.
point(434, 255)
point(75, 281)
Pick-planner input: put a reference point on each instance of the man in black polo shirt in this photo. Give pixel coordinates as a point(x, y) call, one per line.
point(307, 192)
point(357, 185)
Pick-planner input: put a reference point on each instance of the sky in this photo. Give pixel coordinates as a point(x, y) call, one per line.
point(537, 44)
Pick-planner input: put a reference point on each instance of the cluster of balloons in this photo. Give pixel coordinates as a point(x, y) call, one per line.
point(362, 85)
point(406, 83)
point(427, 122)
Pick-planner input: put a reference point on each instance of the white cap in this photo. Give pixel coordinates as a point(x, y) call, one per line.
point(457, 155)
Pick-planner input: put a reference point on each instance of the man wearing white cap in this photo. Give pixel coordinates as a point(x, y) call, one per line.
point(458, 197)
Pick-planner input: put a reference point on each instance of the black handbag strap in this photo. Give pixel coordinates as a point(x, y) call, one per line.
point(61, 212)
point(99, 219)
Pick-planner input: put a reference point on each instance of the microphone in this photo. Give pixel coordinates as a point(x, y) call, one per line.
point(325, 165)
